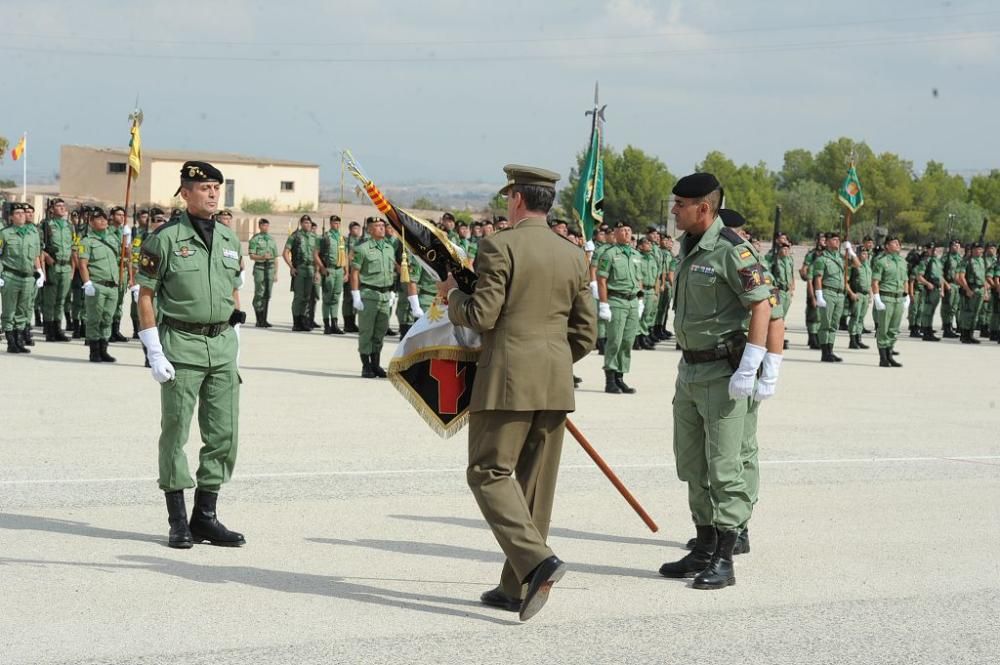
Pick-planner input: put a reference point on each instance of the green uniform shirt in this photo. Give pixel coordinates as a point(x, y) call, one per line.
point(98, 249)
point(195, 285)
point(19, 247)
point(57, 241)
point(329, 249)
point(951, 262)
point(650, 269)
point(470, 247)
point(719, 277)
point(974, 270)
point(375, 261)
point(830, 268)
point(261, 244)
point(138, 235)
point(599, 250)
point(302, 244)
point(622, 267)
point(890, 273)
point(861, 277)
point(808, 261)
point(424, 279)
point(932, 269)
point(784, 272)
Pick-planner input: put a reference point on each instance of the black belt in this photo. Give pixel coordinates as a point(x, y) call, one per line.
point(862, 293)
point(891, 294)
point(108, 283)
point(380, 289)
point(623, 295)
point(62, 263)
point(263, 264)
point(206, 329)
point(832, 289)
point(18, 272)
point(710, 355)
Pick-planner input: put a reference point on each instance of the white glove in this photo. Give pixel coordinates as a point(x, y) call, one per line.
point(604, 311)
point(906, 303)
point(879, 305)
point(127, 231)
point(642, 306)
point(88, 289)
point(742, 382)
point(236, 329)
point(40, 282)
point(2, 282)
point(768, 377)
point(415, 306)
point(160, 367)
point(589, 247)
point(820, 302)
point(849, 249)
point(393, 299)
point(356, 301)
point(135, 292)
point(593, 290)
point(243, 279)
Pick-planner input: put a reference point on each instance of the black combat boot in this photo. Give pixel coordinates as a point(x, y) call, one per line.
point(334, 328)
point(12, 342)
point(389, 332)
point(636, 346)
point(180, 534)
point(861, 345)
point(813, 342)
point(38, 318)
point(883, 357)
point(601, 342)
point(258, 318)
point(116, 332)
point(103, 352)
point(349, 325)
point(929, 335)
point(825, 355)
point(984, 331)
point(667, 335)
point(267, 308)
point(205, 524)
point(326, 326)
point(854, 342)
point(378, 371)
point(743, 542)
point(26, 338)
point(80, 332)
point(366, 367)
point(47, 329)
point(620, 380)
point(949, 332)
point(57, 332)
point(403, 329)
point(719, 572)
point(611, 383)
point(971, 333)
point(698, 559)
point(299, 324)
point(95, 351)
point(892, 361)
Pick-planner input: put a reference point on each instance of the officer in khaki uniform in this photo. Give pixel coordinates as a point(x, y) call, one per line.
point(723, 314)
point(889, 299)
point(20, 275)
point(373, 272)
point(534, 308)
point(57, 252)
point(298, 255)
point(98, 264)
point(331, 262)
point(619, 289)
point(192, 267)
point(263, 252)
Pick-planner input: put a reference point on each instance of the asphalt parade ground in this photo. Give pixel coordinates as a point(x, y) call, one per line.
point(876, 539)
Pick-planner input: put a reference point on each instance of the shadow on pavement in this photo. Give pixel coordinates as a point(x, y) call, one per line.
point(306, 372)
point(14, 522)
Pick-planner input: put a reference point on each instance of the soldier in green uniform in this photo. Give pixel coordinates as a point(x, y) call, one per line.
point(192, 267)
point(57, 252)
point(828, 287)
point(121, 232)
point(650, 272)
point(805, 272)
point(951, 298)
point(36, 300)
point(986, 311)
point(783, 270)
point(77, 309)
point(859, 284)
point(354, 237)
point(373, 271)
point(889, 277)
point(972, 280)
point(603, 241)
point(723, 317)
point(448, 226)
point(668, 263)
point(929, 279)
point(263, 252)
point(422, 290)
point(619, 288)
point(139, 232)
point(331, 262)
point(98, 256)
point(20, 275)
point(465, 240)
point(298, 255)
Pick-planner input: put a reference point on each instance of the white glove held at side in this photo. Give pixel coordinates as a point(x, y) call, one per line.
point(768, 377)
point(593, 289)
point(820, 301)
point(160, 367)
point(604, 311)
point(415, 308)
point(89, 289)
point(742, 382)
point(356, 301)
point(879, 305)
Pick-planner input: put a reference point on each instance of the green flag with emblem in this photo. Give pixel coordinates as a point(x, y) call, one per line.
point(850, 193)
point(588, 204)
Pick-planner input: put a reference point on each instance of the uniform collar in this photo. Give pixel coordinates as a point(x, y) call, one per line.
point(710, 238)
point(538, 221)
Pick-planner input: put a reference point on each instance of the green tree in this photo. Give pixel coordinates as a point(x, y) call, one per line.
point(937, 188)
point(498, 204)
point(888, 185)
point(833, 160)
point(807, 208)
point(750, 190)
point(424, 203)
point(984, 190)
point(8, 184)
point(3, 147)
point(800, 165)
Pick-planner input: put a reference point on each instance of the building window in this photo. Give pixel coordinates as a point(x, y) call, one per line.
point(287, 186)
point(116, 167)
point(230, 193)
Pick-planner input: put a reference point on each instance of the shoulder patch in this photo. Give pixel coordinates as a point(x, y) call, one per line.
point(732, 236)
point(746, 254)
point(752, 276)
point(149, 263)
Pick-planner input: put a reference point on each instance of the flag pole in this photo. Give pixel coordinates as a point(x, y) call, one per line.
point(24, 169)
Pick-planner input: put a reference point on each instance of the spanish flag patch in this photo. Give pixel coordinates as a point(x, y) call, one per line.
point(746, 254)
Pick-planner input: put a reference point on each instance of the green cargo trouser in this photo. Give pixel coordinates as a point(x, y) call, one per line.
point(709, 441)
point(100, 310)
point(16, 300)
point(622, 329)
point(648, 319)
point(812, 318)
point(512, 472)
point(333, 291)
point(302, 288)
point(663, 307)
point(426, 299)
point(120, 297)
point(602, 325)
point(786, 303)
point(77, 308)
point(749, 454)
point(373, 321)
point(54, 294)
point(951, 304)
point(971, 306)
point(859, 308)
point(403, 315)
point(829, 316)
point(263, 281)
point(347, 309)
point(913, 314)
point(217, 392)
point(928, 305)
point(887, 321)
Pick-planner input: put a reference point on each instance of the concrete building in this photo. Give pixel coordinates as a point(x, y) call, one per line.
point(99, 173)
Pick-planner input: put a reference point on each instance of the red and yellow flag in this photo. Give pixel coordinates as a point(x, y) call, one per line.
point(135, 150)
point(18, 149)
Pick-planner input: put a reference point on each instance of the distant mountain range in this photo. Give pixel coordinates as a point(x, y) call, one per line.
point(444, 195)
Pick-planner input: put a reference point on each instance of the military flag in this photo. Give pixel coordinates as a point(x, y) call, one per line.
point(850, 193)
point(588, 203)
point(135, 148)
point(19, 148)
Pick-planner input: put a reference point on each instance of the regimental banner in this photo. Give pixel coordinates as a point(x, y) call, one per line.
point(850, 193)
point(434, 368)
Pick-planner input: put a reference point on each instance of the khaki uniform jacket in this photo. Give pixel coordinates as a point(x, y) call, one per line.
point(534, 309)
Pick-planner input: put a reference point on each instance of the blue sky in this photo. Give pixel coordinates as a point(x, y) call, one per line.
point(441, 90)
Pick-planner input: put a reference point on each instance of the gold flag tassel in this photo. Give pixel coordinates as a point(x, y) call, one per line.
point(404, 264)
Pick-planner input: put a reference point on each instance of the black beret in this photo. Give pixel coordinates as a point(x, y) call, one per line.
point(889, 238)
point(352, 225)
point(373, 220)
point(977, 244)
point(15, 206)
point(652, 229)
point(148, 212)
point(867, 238)
point(929, 245)
point(96, 213)
point(622, 225)
point(155, 211)
point(448, 215)
point(194, 171)
point(334, 218)
point(832, 234)
point(990, 244)
point(305, 218)
point(55, 201)
point(731, 218)
point(115, 209)
point(696, 185)
point(226, 211)
point(263, 220)
point(27, 206)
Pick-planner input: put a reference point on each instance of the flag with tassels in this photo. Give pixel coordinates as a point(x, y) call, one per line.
point(18, 149)
point(434, 366)
point(850, 193)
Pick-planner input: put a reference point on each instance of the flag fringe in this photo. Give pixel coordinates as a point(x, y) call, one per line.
point(445, 431)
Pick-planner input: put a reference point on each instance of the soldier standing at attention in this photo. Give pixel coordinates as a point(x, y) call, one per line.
point(812, 315)
point(603, 241)
point(331, 262)
point(120, 232)
point(263, 252)
point(828, 287)
point(668, 264)
point(98, 262)
point(859, 284)
point(373, 271)
point(619, 287)
point(930, 276)
point(889, 277)
point(534, 309)
point(36, 300)
point(139, 233)
point(951, 300)
point(192, 268)
point(972, 279)
point(784, 279)
point(723, 317)
point(298, 255)
point(57, 252)
point(354, 237)
point(20, 275)
point(651, 276)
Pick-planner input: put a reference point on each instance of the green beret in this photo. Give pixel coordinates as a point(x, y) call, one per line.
point(696, 185)
point(528, 175)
